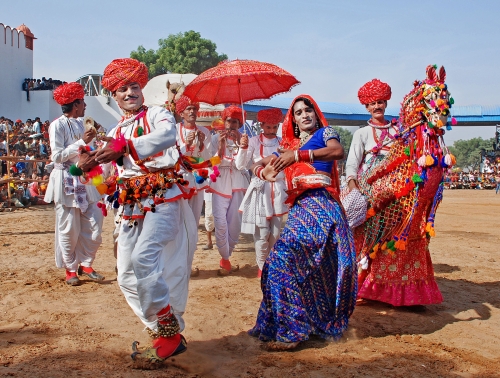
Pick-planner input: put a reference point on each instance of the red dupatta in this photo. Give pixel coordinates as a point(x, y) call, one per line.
point(290, 142)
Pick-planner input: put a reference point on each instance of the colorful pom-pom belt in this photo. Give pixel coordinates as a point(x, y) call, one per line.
point(152, 185)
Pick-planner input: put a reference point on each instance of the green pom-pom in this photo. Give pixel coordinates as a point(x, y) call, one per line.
point(435, 66)
point(452, 101)
point(390, 244)
point(416, 179)
point(140, 131)
point(407, 151)
point(430, 124)
point(75, 171)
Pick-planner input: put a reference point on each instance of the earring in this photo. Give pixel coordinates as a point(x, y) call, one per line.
point(317, 124)
point(296, 131)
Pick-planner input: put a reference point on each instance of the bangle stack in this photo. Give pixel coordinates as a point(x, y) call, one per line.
point(305, 156)
point(258, 172)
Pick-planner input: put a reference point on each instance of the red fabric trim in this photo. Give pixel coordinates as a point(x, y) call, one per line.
point(132, 150)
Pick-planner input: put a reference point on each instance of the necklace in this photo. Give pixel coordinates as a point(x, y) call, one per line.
point(195, 141)
point(304, 137)
point(72, 131)
point(386, 126)
point(263, 143)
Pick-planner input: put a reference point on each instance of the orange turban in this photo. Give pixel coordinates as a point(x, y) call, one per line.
point(183, 102)
point(69, 92)
point(374, 90)
point(233, 111)
point(124, 71)
point(272, 116)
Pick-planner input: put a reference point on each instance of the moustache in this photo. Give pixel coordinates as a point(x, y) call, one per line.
point(378, 110)
point(131, 97)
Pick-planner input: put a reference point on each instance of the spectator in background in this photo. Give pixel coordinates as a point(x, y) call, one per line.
point(37, 126)
point(26, 87)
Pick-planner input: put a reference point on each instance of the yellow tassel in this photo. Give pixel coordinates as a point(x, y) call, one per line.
point(373, 255)
point(215, 160)
point(428, 227)
point(375, 248)
point(384, 246)
point(439, 123)
point(432, 232)
point(402, 245)
point(429, 160)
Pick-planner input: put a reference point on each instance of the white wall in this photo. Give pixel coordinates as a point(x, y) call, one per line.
point(16, 64)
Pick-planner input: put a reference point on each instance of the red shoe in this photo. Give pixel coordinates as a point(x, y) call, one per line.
point(226, 268)
point(259, 274)
point(170, 344)
point(72, 279)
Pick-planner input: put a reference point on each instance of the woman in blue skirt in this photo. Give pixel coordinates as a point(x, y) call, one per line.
point(309, 280)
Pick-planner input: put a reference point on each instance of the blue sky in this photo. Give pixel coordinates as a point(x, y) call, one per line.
point(332, 47)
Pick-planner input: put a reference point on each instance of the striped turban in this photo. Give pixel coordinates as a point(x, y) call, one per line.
point(374, 90)
point(69, 92)
point(124, 71)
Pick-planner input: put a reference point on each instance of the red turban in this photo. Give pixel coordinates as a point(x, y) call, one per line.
point(69, 92)
point(272, 116)
point(233, 112)
point(182, 103)
point(124, 71)
point(374, 90)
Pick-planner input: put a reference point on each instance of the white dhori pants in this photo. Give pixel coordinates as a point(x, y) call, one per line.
point(264, 239)
point(227, 221)
point(196, 204)
point(77, 236)
point(154, 261)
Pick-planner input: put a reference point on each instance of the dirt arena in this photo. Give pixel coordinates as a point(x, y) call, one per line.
point(48, 329)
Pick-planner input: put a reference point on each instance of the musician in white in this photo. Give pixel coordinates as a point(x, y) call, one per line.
point(263, 206)
point(229, 189)
point(78, 219)
point(158, 234)
point(193, 140)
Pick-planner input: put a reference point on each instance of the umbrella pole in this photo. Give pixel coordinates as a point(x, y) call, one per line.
point(242, 109)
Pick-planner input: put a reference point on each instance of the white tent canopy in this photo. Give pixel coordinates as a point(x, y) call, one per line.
point(156, 94)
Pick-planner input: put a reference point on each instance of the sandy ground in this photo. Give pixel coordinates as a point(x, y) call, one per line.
point(48, 329)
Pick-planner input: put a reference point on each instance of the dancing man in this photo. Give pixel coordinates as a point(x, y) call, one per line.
point(264, 205)
point(229, 189)
point(158, 234)
point(78, 219)
point(193, 140)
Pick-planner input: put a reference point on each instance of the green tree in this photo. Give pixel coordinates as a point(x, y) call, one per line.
point(345, 139)
point(468, 152)
point(180, 53)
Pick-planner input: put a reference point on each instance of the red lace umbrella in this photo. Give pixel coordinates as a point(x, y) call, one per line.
point(239, 81)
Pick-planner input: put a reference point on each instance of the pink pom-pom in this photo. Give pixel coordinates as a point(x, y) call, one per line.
point(213, 177)
point(216, 171)
point(454, 121)
point(432, 103)
point(118, 144)
point(104, 211)
point(99, 205)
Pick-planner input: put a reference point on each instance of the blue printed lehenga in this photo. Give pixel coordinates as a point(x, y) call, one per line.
point(309, 280)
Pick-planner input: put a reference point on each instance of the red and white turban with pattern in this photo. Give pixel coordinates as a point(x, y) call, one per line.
point(69, 92)
point(233, 111)
point(183, 102)
point(124, 71)
point(272, 116)
point(374, 90)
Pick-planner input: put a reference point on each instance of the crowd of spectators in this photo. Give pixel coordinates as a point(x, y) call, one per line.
point(487, 178)
point(28, 140)
point(42, 84)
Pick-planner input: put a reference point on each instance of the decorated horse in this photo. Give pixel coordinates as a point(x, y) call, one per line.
point(403, 193)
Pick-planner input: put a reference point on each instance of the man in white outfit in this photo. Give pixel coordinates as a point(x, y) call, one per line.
point(263, 206)
point(78, 219)
point(193, 141)
point(229, 189)
point(157, 238)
